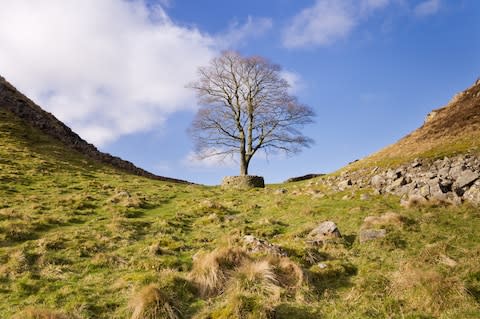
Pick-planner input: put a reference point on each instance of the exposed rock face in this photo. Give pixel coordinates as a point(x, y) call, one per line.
point(243, 182)
point(454, 179)
point(17, 103)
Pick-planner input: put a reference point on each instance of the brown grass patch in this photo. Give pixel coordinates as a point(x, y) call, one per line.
point(38, 313)
point(210, 270)
point(426, 289)
point(151, 303)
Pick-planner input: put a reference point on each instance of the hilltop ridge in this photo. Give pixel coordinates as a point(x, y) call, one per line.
point(33, 115)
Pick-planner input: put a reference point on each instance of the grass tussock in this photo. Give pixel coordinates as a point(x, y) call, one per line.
point(211, 270)
point(39, 313)
point(428, 290)
point(152, 303)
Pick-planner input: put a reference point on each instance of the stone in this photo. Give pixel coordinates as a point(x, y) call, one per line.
point(377, 181)
point(473, 194)
point(280, 191)
point(344, 184)
point(364, 197)
point(325, 231)
point(256, 245)
point(371, 234)
point(466, 178)
point(243, 182)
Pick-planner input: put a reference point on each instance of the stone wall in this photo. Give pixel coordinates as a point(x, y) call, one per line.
point(243, 182)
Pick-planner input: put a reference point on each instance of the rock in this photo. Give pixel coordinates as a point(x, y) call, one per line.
point(447, 261)
point(466, 178)
point(377, 182)
point(371, 234)
point(325, 231)
point(344, 184)
point(256, 245)
point(280, 191)
point(456, 170)
point(473, 194)
point(416, 163)
point(243, 182)
point(364, 197)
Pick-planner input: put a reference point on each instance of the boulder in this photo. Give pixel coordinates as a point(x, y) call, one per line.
point(473, 194)
point(345, 184)
point(325, 231)
point(377, 181)
point(371, 234)
point(466, 178)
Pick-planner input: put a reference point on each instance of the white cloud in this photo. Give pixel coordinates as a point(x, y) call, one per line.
point(209, 159)
point(238, 34)
point(427, 7)
point(328, 21)
point(107, 68)
point(294, 80)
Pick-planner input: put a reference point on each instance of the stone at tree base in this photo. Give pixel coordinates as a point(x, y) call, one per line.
point(243, 182)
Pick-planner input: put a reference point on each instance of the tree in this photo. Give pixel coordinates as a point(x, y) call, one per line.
point(245, 108)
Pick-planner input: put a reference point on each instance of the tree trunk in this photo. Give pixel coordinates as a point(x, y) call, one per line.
point(243, 166)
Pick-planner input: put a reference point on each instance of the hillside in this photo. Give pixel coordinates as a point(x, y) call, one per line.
point(82, 239)
point(33, 115)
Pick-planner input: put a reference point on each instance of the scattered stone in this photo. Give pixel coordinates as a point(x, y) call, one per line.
point(364, 197)
point(371, 234)
point(280, 191)
point(447, 261)
point(322, 265)
point(323, 232)
point(256, 245)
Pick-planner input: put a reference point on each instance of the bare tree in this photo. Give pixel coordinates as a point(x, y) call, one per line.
point(246, 107)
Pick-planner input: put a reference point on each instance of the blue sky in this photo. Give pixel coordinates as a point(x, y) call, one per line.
point(115, 71)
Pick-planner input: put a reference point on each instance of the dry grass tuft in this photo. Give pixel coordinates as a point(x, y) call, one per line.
point(210, 270)
point(256, 278)
point(387, 219)
point(427, 289)
point(151, 303)
point(38, 313)
point(289, 274)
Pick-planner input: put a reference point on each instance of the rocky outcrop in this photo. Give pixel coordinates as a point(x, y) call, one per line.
point(453, 179)
point(32, 114)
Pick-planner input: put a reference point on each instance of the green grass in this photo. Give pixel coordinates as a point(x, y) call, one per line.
point(73, 242)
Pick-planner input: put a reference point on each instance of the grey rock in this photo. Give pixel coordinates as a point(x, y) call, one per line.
point(371, 234)
point(377, 181)
point(326, 230)
point(467, 178)
point(344, 184)
point(256, 245)
point(473, 194)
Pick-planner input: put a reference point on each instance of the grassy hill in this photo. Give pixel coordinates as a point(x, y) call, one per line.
point(81, 239)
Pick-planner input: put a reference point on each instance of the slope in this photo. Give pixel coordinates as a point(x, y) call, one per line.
point(33, 115)
point(80, 239)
